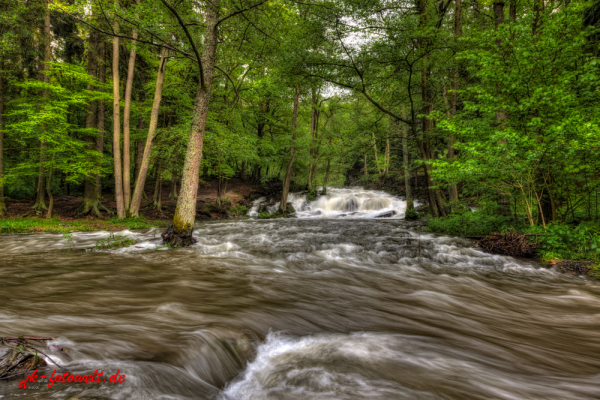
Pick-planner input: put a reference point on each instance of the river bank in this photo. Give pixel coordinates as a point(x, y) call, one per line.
point(21, 217)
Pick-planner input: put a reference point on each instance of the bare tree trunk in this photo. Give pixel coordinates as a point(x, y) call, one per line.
point(157, 186)
point(409, 200)
point(2, 201)
point(366, 169)
point(243, 171)
point(328, 160)
point(126, 123)
point(185, 213)
point(290, 167)
point(313, 128)
point(40, 202)
point(387, 155)
point(101, 114)
point(452, 189)
point(49, 190)
point(134, 208)
point(375, 151)
point(117, 127)
point(90, 192)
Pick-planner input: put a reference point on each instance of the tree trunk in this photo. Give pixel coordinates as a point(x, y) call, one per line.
point(126, 125)
point(173, 188)
point(366, 169)
point(452, 189)
point(117, 128)
point(328, 160)
point(185, 213)
point(101, 113)
point(134, 208)
point(49, 190)
point(90, 192)
point(156, 198)
point(40, 202)
point(313, 128)
point(290, 167)
point(409, 200)
point(387, 155)
point(243, 171)
point(375, 151)
point(2, 201)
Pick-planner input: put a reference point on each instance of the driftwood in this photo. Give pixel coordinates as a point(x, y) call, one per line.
point(22, 354)
point(509, 244)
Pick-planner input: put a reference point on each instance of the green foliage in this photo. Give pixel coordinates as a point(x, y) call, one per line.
point(113, 242)
point(568, 242)
point(465, 222)
point(264, 215)
point(311, 195)
point(411, 215)
point(239, 209)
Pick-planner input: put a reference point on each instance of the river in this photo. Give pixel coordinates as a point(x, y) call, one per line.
point(350, 307)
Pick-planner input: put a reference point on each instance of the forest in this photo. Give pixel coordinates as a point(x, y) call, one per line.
point(490, 106)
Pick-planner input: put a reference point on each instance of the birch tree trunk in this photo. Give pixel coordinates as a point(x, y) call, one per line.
point(185, 213)
point(134, 208)
point(126, 125)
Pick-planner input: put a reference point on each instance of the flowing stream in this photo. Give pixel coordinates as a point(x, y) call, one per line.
point(308, 308)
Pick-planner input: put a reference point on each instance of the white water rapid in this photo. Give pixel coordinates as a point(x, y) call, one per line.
point(351, 202)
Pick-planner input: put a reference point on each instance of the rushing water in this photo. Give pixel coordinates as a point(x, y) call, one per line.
point(350, 202)
point(302, 309)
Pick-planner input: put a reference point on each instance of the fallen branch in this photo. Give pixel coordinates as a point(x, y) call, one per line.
point(510, 244)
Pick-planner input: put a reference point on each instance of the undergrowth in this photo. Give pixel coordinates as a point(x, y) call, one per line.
point(480, 222)
point(55, 225)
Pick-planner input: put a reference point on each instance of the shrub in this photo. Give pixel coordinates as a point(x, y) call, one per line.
point(239, 209)
point(465, 222)
point(572, 242)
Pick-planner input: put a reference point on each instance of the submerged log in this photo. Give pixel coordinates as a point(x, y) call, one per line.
point(509, 244)
point(16, 361)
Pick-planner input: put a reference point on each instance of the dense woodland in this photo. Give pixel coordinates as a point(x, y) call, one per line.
point(493, 105)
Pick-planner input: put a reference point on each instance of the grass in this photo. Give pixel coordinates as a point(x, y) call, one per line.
point(55, 225)
point(114, 242)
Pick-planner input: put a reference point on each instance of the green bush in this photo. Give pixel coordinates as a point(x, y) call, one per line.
point(239, 209)
point(569, 242)
point(411, 215)
point(264, 215)
point(465, 222)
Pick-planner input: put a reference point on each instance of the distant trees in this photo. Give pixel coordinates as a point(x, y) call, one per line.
point(483, 101)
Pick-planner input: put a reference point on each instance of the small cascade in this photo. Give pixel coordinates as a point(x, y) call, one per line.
point(353, 202)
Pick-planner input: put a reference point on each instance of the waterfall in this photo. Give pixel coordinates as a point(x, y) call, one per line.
point(351, 202)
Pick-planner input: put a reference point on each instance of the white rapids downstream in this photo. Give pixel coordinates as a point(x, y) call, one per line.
point(320, 307)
